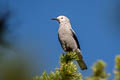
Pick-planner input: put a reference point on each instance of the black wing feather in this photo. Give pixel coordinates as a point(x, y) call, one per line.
point(75, 37)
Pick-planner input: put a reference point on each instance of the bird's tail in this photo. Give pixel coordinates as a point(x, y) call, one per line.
point(81, 62)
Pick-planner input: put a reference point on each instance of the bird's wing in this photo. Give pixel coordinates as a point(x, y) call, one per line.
point(75, 37)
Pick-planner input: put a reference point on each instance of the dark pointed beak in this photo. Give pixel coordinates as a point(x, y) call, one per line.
point(54, 19)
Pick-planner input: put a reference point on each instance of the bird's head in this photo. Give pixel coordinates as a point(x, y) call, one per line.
point(61, 19)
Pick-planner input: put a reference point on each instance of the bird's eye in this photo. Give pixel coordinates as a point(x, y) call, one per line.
point(61, 17)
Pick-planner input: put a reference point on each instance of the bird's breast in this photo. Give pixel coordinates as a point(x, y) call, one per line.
point(64, 34)
point(64, 31)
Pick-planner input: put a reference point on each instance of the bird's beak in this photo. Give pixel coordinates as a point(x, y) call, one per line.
point(54, 19)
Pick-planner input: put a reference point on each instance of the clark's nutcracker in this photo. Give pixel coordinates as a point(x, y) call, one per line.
point(68, 39)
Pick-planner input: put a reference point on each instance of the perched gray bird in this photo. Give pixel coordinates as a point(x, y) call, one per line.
point(69, 40)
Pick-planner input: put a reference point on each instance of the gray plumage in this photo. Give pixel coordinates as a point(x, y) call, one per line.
point(68, 39)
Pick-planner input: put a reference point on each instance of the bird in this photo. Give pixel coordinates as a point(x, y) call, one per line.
point(68, 39)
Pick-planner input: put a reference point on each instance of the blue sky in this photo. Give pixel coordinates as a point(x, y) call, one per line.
point(96, 23)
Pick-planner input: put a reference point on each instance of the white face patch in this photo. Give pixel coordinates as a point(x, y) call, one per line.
point(62, 18)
